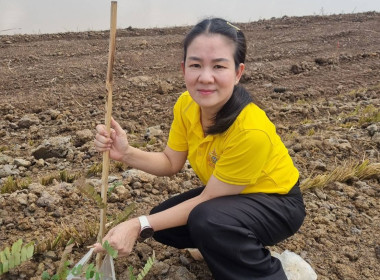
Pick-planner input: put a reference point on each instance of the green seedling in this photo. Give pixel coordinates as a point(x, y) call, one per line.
point(16, 255)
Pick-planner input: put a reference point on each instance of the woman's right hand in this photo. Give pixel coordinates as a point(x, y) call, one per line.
point(116, 143)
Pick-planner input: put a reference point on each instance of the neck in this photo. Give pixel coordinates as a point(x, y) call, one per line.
point(206, 120)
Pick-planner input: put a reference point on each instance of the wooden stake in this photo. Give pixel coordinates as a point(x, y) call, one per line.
point(106, 159)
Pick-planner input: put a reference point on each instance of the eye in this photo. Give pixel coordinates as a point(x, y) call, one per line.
point(194, 65)
point(219, 66)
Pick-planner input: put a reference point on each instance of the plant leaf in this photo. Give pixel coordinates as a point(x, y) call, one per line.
point(45, 275)
point(7, 253)
point(90, 192)
point(23, 254)
point(131, 276)
point(77, 270)
point(3, 258)
point(147, 267)
point(5, 266)
point(11, 262)
point(90, 271)
point(29, 249)
point(16, 247)
point(123, 215)
point(110, 251)
point(17, 258)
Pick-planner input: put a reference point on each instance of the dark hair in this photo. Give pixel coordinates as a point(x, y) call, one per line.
point(240, 96)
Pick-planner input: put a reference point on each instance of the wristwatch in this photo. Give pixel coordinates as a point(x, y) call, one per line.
point(146, 230)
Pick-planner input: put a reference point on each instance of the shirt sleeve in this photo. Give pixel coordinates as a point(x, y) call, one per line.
point(244, 158)
point(177, 136)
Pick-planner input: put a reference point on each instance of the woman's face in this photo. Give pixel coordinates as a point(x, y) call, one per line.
point(209, 71)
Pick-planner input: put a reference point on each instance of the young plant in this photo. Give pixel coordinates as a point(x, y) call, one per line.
point(148, 265)
point(10, 258)
point(90, 192)
point(113, 186)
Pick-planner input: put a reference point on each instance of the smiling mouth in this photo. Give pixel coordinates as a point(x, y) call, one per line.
point(206, 91)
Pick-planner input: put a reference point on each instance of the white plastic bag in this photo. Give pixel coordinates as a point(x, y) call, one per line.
point(107, 268)
point(295, 267)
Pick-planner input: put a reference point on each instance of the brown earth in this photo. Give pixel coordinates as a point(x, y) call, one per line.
point(318, 79)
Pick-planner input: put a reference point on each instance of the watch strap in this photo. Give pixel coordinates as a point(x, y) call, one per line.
point(144, 223)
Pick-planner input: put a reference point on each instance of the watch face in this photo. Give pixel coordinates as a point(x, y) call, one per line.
point(146, 233)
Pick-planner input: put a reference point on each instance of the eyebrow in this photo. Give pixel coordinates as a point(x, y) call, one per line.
point(214, 60)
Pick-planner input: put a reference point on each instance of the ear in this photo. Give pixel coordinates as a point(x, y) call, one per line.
point(183, 67)
point(239, 71)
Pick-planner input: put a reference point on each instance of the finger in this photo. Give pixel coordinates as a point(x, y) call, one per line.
point(113, 133)
point(101, 129)
point(101, 147)
point(98, 248)
point(103, 139)
point(115, 125)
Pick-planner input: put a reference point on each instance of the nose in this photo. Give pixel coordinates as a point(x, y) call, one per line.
point(206, 76)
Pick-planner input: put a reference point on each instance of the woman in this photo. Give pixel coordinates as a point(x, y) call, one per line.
point(251, 198)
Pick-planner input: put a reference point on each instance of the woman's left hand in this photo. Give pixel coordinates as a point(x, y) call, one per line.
point(122, 237)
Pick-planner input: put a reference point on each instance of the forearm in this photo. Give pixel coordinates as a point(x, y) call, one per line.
point(156, 163)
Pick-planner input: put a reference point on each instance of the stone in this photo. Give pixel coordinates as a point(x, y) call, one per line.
point(182, 273)
point(40, 162)
point(58, 147)
point(36, 188)
point(48, 200)
point(22, 162)
point(153, 131)
point(53, 113)
point(4, 159)
point(82, 137)
point(22, 199)
point(164, 88)
point(133, 175)
point(372, 129)
point(318, 165)
point(376, 139)
point(320, 194)
point(28, 120)
point(8, 170)
point(159, 268)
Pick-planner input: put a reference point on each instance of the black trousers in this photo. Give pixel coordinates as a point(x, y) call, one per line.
point(231, 232)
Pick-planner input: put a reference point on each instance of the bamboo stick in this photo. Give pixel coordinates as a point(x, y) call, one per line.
point(108, 107)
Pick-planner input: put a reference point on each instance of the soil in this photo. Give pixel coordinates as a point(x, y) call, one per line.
point(317, 77)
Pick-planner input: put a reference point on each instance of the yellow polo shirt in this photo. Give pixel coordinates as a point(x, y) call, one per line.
point(249, 153)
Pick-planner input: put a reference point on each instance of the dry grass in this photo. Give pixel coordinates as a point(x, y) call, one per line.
point(95, 169)
point(343, 173)
point(78, 234)
point(10, 185)
point(63, 176)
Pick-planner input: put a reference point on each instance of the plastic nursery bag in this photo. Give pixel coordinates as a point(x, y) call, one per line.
point(295, 267)
point(107, 268)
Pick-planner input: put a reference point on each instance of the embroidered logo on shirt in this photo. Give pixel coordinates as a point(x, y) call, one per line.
point(212, 158)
